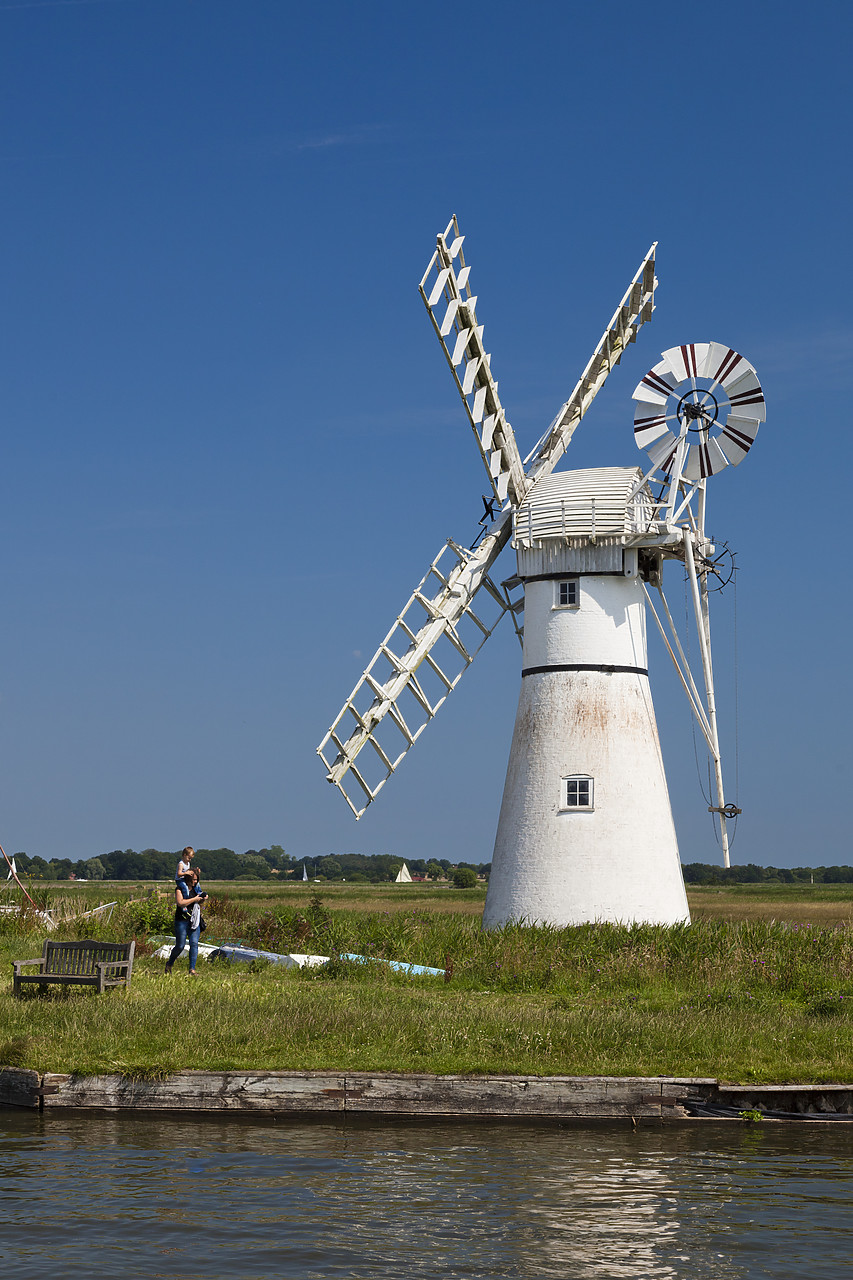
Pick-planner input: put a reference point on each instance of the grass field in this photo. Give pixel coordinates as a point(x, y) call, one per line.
point(796, 903)
point(759, 987)
point(826, 904)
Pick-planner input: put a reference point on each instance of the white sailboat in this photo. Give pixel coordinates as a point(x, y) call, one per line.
point(403, 876)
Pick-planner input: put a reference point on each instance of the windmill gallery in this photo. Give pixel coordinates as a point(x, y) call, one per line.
point(585, 831)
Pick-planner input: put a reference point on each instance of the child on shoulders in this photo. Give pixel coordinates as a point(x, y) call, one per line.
point(183, 869)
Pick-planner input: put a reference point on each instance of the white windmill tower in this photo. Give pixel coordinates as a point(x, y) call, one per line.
point(585, 830)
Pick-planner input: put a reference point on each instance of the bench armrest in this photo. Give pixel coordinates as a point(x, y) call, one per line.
point(103, 965)
point(19, 964)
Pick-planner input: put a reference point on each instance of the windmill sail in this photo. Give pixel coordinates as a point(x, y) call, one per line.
point(432, 643)
point(451, 306)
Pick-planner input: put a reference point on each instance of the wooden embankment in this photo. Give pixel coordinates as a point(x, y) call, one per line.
point(410, 1096)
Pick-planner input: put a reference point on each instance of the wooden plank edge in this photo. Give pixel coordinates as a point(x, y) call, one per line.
point(19, 1087)
point(365, 1093)
point(406, 1095)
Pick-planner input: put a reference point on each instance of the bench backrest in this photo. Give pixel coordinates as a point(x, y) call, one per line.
point(81, 957)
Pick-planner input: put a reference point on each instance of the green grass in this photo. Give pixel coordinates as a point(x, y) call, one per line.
point(274, 1021)
point(256, 894)
point(749, 1000)
point(781, 892)
point(815, 903)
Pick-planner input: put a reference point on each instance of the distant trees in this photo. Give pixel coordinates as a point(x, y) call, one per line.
point(225, 864)
point(253, 865)
point(35, 867)
point(377, 868)
point(701, 873)
point(464, 878)
point(158, 864)
point(219, 864)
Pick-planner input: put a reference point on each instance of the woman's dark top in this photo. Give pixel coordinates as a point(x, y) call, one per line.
point(183, 913)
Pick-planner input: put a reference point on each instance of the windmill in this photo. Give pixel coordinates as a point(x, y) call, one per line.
point(585, 829)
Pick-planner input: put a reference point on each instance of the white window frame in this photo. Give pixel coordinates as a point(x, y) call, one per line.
point(568, 581)
point(565, 806)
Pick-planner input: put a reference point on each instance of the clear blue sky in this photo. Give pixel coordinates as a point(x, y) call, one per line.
point(230, 442)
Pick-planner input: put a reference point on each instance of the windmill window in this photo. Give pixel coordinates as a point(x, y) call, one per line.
point(567, 595)
point(577, 792)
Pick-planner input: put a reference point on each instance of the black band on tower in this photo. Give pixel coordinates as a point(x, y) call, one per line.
point(583, 666)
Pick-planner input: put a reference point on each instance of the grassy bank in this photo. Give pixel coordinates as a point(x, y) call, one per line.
point(745, 1000)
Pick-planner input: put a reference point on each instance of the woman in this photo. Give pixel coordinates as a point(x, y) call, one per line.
point(188, 902)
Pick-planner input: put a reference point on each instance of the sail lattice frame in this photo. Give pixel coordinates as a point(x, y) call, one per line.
point(434, 640)
point(447, 296)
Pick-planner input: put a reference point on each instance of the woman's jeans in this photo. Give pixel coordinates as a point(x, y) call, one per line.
point(182, 933)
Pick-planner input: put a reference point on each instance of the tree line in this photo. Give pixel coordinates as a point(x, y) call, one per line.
point(364, 868)
point(749, 873)
point(225, 864)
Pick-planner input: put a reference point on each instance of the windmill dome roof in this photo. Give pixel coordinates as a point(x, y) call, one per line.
point(581, 504)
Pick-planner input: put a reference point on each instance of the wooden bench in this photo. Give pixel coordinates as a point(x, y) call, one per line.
point(82, 964)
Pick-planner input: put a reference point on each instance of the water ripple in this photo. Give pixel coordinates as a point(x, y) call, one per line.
point(100, 1195)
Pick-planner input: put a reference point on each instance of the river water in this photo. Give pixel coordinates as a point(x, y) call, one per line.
point(115, 1196)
